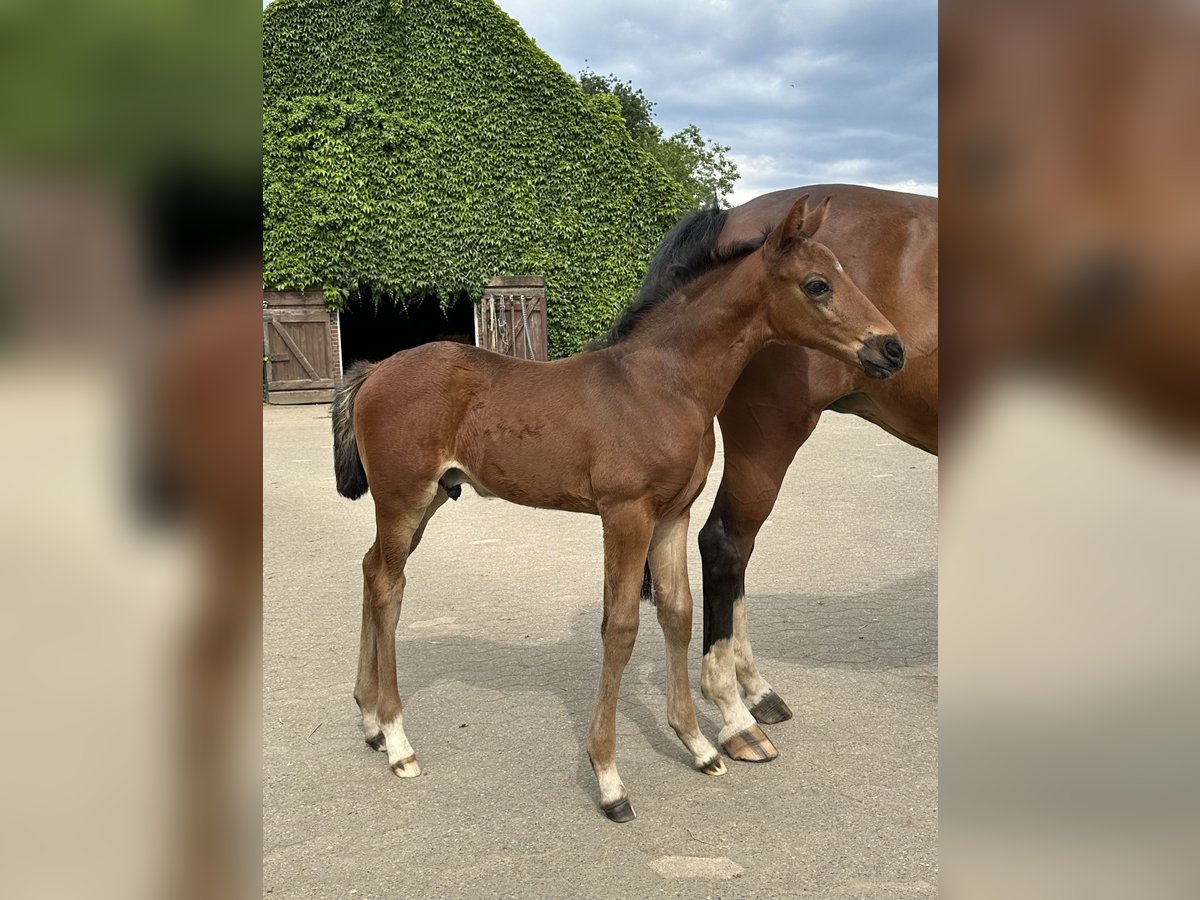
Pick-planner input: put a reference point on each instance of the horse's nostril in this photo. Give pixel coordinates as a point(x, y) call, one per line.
point(893, 350)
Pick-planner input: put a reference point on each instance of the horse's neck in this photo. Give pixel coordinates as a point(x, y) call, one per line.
point(705, 336)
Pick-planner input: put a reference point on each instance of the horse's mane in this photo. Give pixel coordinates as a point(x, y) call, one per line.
point(688, 251)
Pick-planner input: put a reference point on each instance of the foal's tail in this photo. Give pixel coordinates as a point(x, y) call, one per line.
point(347, 464)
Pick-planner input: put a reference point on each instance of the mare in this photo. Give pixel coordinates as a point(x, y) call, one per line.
point(888, 243)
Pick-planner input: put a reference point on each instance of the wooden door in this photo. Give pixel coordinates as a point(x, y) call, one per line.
point(298, 346)
point(511, 317)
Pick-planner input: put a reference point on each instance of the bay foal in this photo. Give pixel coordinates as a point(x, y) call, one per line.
point(625, 431)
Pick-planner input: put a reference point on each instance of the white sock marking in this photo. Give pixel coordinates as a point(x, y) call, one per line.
point(755, 686)
point(398, 747)
point(718, 682)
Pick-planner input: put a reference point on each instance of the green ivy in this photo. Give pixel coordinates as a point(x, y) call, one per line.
point(415, 149)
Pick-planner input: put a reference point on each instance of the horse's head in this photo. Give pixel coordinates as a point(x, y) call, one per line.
point(813, 302)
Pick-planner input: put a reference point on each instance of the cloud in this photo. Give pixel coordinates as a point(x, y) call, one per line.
point(804, 92)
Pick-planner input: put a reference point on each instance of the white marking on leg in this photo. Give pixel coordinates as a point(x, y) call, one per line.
point(371, 727)
point(703, 752)
point(612, 789)
point(752, 682)
point(718, 683)
point(398, 747)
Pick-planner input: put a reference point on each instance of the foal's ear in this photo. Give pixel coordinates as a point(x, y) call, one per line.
point(813, 220)
point(800, 224)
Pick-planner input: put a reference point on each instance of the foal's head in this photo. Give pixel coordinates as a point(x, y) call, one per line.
point(812, 301)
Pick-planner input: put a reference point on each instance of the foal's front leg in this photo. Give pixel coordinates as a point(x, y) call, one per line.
point(673, 600)
point(627, 531)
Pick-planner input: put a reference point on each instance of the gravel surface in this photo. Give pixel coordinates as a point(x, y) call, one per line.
point(498, 657)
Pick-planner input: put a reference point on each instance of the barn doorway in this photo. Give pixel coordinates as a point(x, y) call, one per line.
point(373, 332)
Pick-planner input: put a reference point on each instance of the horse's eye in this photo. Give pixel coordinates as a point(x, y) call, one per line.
point(817, 288)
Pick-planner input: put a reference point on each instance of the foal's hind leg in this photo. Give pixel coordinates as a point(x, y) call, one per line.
point(673, 599)
point(400, 525)
point(439, 498)
point(366, 688)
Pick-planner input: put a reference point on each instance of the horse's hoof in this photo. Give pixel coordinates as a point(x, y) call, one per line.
point(750, 745)
point(620, 811)
point(378, 742)
point(407, 768)
point(771, 710)
point(715, 766)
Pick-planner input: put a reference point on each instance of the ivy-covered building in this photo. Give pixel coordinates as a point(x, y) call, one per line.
point(414, 149)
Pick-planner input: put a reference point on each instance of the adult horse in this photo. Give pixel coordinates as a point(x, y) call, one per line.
point(888, 243)
point(624, 431)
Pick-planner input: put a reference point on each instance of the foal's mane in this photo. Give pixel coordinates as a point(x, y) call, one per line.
point(688, 251)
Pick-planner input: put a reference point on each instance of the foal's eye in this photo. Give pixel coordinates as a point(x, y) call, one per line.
point(817, 287)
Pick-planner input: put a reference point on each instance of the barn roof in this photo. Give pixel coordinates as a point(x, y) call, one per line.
point(417, 148)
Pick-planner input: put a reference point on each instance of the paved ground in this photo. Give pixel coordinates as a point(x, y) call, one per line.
point(498, 650)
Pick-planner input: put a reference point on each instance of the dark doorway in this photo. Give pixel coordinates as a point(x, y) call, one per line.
point(375, 333)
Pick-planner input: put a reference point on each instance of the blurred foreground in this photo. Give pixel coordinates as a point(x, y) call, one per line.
point(130, 355)
point(1070, 509)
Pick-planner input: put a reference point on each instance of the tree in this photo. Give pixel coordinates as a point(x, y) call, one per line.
point(636, 109)
point(701, 167)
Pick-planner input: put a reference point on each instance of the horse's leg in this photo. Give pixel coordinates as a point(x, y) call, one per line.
point(765, 704)
point(438, 499)
point(400, 524)
point(627, 532)
point(366, 688)
point(673, 598)
point(754, 472)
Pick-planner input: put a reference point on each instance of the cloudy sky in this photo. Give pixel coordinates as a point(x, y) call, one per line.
point(804, 91)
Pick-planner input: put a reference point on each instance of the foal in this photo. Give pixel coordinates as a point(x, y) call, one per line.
point(625, 431)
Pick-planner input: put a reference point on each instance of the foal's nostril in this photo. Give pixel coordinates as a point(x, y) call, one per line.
point(893, 350)
point(881, 355)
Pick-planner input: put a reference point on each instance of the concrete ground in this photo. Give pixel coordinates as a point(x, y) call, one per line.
point(498, 653)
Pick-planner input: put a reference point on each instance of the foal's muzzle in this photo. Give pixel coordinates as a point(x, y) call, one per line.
point(882, 355)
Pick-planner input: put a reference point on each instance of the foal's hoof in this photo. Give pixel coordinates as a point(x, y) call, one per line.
point(407, 767)
point(750, 745)
point(715, 766)
point(378, 742)
point(771, 709)
point(620, 811)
